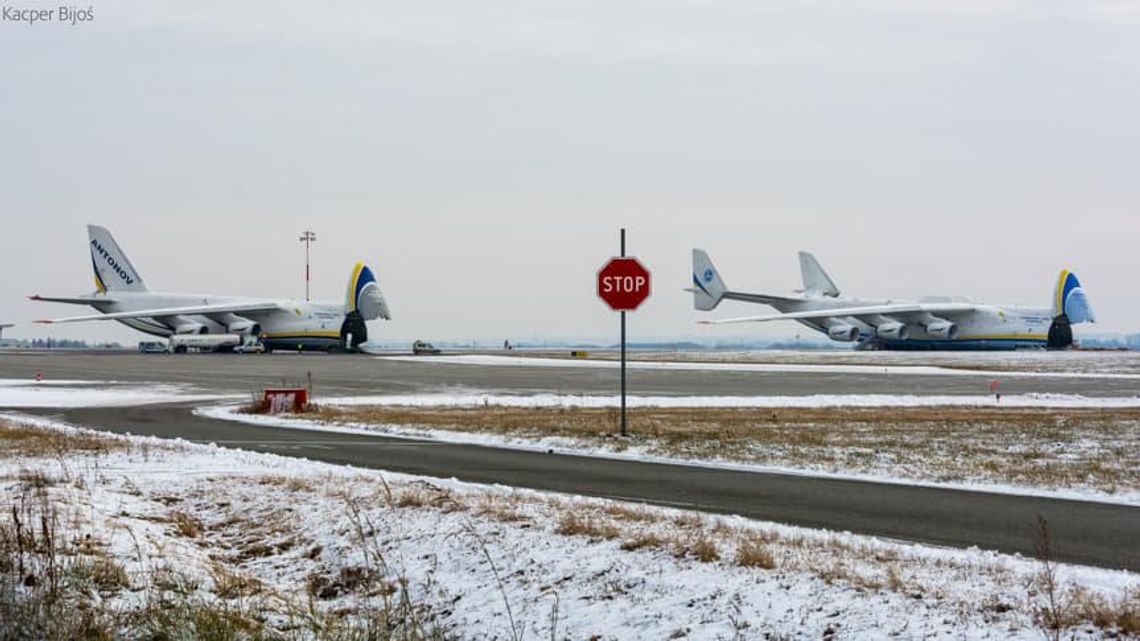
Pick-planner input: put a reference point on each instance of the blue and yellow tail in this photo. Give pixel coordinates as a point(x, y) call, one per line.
point(1070, 300)
point(364, 295)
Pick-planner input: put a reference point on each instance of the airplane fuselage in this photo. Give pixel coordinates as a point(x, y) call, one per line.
point(987, 327)
point(304, 324)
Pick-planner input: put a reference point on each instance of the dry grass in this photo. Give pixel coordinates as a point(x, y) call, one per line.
point(423, 495)
point(1053, 447)
point(185, 524)
point(504, 510)
point(1076, 606)
point(230, 584)
point(643, 540)
point(751, 553)
point(699, 546)
point(572, 523)
point(290, 483)
point(22, 439)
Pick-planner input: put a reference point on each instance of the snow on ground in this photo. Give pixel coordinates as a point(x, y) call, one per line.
point(697, 365)
point(17, 393)
point(920, 473)
point(496, 562)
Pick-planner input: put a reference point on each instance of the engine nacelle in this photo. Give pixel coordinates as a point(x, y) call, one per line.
point(893, 330)
point(942, 329)
point(191, 328)
point(842, 332)
point(244, 327)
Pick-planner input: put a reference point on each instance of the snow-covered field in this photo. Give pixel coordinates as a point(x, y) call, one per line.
point(860, 363)
point(67, 393)
point(300, 538)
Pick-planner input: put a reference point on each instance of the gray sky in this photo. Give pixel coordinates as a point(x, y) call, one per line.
point(482, 155)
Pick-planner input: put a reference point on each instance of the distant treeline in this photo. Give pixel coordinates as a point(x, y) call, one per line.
point(57, 343)
point(1130, 341)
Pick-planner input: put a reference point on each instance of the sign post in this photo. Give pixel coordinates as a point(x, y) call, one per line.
point(623, 283)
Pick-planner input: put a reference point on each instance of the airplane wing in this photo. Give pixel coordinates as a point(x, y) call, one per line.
point(72, 300)
point(195, 310)
point(900, 309)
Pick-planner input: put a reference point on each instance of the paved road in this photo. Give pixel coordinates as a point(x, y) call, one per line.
point(356, 374)
point(1081, 532)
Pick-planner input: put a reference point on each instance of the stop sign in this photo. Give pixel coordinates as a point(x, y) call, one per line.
point(623, 283)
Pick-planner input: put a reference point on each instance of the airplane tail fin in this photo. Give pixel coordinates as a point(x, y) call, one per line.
point(708, 287)
point(1070, 300)
point(816, 281)
point(113, 270)
point(364, 295)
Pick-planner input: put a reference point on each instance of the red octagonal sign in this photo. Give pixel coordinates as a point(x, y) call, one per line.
point(623, 283)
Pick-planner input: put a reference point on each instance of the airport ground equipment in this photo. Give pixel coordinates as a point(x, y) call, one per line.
point(153, 347)
point(424, 348)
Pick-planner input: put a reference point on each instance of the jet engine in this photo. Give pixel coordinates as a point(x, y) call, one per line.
point(842, 332)
point(244, 327)
point(942, 329)
point(892, 330)
point(191, 327)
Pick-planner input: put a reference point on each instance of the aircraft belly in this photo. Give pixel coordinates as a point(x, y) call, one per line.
point(292, 331)
point(963, 344)
point(983, 330)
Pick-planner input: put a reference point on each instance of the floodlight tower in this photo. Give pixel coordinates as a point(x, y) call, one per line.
point(308, 238)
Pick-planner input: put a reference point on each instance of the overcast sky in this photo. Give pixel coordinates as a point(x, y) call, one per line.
point(482, 155)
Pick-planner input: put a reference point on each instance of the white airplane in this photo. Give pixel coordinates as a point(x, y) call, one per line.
point(937, 322)
point(121, 295)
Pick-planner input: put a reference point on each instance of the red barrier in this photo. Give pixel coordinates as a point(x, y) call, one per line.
point(286, 400)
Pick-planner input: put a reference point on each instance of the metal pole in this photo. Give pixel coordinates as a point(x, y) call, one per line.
point(307, 237)
point(623, 422)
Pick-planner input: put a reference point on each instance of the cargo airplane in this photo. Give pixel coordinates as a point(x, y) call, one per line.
point(121, 295)
point(937, 322)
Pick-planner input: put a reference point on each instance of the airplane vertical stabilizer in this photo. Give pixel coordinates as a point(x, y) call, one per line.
point(708, 288)
point(1070, 300)
point(113, 270)
point(364, 296)
point(816, 280)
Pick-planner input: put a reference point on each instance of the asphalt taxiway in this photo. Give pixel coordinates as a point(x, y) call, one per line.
point(342, 374)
